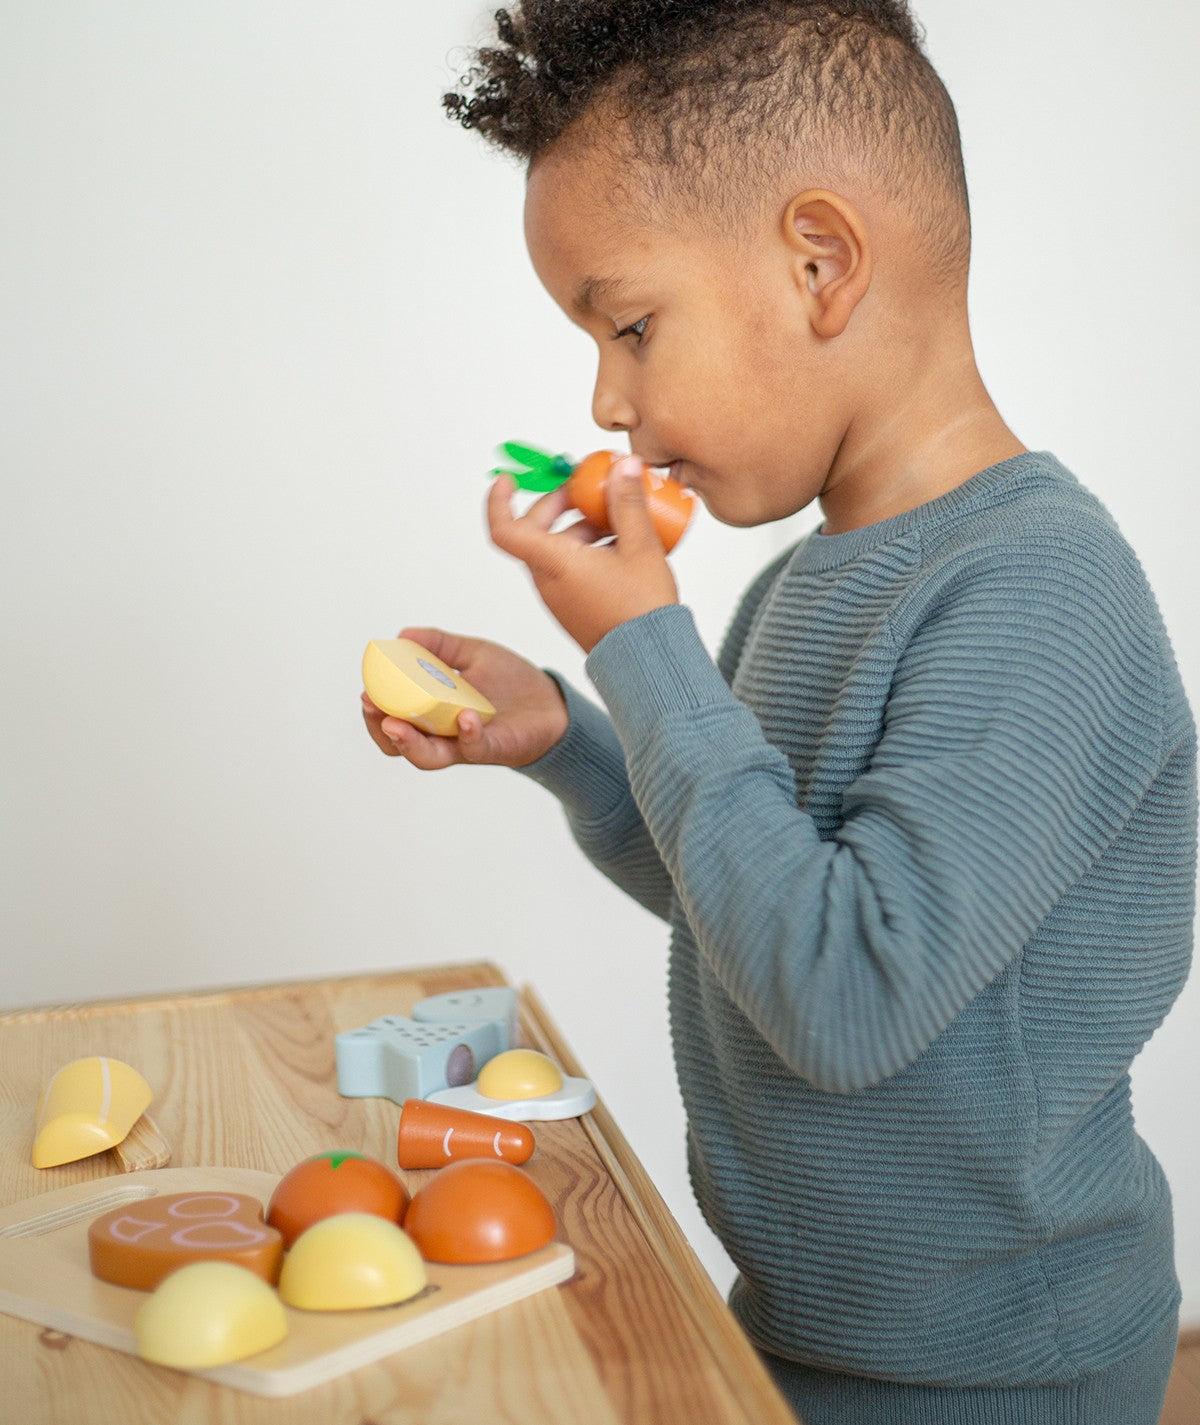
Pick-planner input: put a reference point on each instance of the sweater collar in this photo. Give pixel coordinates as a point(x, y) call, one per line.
point(992, 486)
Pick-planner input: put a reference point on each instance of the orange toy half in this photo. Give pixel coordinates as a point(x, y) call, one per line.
point(141, 1244)
point(479, 1212)
point(670, 505)
point(432, 1135)
point(331, 1183)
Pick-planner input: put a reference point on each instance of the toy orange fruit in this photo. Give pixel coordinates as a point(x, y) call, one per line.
point(332, 1183)
point(479, 1211)
point(670, 505)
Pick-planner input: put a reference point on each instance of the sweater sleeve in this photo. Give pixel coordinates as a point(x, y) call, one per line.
point(1023, 726)
point(586, 771)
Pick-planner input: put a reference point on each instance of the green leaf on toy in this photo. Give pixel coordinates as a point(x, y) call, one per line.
point(527, 454)
point(533, 469)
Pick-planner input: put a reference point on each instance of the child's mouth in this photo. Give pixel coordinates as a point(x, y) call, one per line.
point(672, 470)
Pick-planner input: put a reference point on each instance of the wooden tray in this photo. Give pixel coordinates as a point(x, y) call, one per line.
point(45, 1278)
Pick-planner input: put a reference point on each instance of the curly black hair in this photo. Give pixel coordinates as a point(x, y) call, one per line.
point(842, 86)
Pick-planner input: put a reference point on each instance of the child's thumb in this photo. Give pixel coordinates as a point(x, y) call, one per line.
point(625, 494)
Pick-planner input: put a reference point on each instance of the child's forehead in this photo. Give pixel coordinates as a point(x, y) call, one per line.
point(588, 211)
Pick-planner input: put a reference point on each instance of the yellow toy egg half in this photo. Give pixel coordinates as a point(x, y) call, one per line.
point(349, 1262)
point(207, 1314)
point(519, 1073)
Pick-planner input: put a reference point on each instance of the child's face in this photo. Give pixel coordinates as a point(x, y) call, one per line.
point(706, 356)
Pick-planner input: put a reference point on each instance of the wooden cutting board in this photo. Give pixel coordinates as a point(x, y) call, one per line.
point(45, 1278)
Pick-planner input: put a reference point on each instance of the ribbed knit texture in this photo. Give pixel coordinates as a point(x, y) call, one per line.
point(925, 837)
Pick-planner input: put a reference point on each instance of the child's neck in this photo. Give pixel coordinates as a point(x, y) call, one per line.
point(944, 429)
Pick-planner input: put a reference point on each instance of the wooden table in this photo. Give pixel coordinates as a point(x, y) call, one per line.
point(246, 1078)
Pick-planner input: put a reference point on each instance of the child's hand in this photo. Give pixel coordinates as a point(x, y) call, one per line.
point(590, 588)
point(530, 713)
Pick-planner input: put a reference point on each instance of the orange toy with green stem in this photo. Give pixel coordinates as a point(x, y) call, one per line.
point(670, 505)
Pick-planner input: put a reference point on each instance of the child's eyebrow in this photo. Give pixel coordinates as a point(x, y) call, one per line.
point(596, 291)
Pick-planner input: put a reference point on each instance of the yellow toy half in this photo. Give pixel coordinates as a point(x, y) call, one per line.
point(88, 1106)
point(407, 681)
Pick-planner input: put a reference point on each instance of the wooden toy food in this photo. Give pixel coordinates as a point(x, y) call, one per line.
point(521, 1084)
point(398, 1058)
point(670, 505)
point(479, 1212)
point(45, 1279)
point(140, 1244)
point(331, 1183)
point(89, 1105)
point(407, 681)
point(432, 1135)
point(207, 1314)
point(350, 1262)
point(494, 1004)
point(521, 1073)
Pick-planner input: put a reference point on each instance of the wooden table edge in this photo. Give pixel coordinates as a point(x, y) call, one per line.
point(487, 973)
point(728, 1344)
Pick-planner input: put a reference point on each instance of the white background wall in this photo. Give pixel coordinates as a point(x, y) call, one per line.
point(265, 313)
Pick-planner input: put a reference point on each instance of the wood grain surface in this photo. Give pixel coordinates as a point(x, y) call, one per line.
point(246, 1078)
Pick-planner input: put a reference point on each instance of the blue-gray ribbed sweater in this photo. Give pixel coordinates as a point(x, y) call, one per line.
point(925, 837)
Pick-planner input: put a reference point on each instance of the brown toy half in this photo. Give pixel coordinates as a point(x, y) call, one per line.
point(140, 1244)
point(432, 1135)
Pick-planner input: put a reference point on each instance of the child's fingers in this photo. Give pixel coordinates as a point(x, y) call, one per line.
point(428, 754)
point(529, 537)
point(374, 721)
point(581, 532)
point(473, 742)
point(544, 512)
point(516, 536)
point(628, 512)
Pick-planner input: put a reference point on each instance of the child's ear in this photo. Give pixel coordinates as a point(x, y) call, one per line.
point(831, 256)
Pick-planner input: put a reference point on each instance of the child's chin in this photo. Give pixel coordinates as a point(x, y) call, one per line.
point(738, 515)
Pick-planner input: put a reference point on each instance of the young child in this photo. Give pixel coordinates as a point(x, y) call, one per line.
point(925, 832)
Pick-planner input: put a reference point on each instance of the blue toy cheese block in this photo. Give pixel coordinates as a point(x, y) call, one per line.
point(398, 1058)
point(463, 1006)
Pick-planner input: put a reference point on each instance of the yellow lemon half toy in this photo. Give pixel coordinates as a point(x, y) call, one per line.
point(207, 1314)
point(407, 681)
point(349, 1262)
point(88, 1106)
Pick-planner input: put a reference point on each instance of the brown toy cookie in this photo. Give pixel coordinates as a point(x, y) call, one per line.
point(139, 1245)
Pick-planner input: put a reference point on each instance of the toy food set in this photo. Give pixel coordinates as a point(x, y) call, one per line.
point(353, 1286)
point(187, 1267)
point(407, 681)
point(671, 505)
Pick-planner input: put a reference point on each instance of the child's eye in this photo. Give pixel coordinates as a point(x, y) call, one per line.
point(638, 330)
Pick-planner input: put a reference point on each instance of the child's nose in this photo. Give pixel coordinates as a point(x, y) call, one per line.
point(611, 408)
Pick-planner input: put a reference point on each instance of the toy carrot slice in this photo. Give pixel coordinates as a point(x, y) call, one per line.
point(670, 505)
point(432, 1135)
